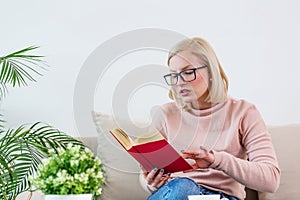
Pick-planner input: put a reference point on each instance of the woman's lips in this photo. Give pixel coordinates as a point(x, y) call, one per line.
point(184, 92)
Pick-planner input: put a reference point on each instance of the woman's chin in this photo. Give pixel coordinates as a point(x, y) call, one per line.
point(187, 99)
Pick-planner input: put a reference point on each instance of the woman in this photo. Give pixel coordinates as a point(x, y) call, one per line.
point(226, 139)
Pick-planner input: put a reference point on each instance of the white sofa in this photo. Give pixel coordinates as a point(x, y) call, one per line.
point(122, 171)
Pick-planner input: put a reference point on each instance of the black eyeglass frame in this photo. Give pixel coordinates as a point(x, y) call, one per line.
point(182, 78)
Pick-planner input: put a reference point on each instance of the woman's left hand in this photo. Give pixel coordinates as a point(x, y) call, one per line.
point(203, 158)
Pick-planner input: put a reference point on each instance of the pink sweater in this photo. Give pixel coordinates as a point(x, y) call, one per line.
point(235, 132)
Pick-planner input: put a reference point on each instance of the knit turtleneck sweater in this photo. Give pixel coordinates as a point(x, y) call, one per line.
point(238, 137)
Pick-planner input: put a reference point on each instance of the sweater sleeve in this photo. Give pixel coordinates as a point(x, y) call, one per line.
point(260, 172)
point(158, 120)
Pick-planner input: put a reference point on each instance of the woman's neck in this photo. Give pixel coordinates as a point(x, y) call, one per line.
point(201, 105)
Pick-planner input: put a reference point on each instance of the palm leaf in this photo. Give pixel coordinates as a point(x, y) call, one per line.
point(18, 68)
point(3, 90)
point(22, 150)
point(2, 121)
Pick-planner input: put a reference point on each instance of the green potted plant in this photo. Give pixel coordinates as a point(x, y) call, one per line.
point(22, 149)
point(70, 174)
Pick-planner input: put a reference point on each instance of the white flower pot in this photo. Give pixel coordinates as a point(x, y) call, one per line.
point(68, 197)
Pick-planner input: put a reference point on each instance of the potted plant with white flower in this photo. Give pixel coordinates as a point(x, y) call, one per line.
point(23, 148)
point(71, 173)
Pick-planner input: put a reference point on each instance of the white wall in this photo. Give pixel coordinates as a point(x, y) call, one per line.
point(256, 41)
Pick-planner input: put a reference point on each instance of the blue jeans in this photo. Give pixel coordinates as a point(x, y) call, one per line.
point(180, 188)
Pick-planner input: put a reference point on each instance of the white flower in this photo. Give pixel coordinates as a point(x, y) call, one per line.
point(60, 151)
point(87, 150)
point(99, 175)
point(51, 151)
point(76, 149)
point(74, 163)
point(69, 146)
point(99, 191)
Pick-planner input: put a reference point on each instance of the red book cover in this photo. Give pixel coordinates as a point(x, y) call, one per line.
point(153, 151)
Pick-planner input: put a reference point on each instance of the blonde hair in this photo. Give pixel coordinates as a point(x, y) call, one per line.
point(218, 87)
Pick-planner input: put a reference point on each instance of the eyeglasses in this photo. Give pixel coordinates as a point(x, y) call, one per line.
point(187, 75)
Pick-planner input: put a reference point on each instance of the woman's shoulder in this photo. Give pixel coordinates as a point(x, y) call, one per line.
point(239, 103)
point(166, 109)
point(170, 108)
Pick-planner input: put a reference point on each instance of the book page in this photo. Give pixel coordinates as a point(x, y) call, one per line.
point(123, 138)
point(149, 137)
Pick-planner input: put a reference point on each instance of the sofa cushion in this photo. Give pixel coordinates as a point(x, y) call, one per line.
point(286, 142)
point(122, 180)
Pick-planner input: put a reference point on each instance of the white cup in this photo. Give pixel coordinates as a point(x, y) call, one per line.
point(204, 197)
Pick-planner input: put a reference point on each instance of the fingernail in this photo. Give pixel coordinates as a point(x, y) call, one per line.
point(169, 174)
point(182, 151)
point(162, 170)
point(155, 169)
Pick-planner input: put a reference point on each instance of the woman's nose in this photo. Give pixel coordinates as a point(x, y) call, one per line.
point(180, 81)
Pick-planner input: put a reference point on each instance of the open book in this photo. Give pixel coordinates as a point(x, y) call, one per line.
point(152, 150)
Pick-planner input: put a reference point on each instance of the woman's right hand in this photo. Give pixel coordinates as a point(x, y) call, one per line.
point(155, 178)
